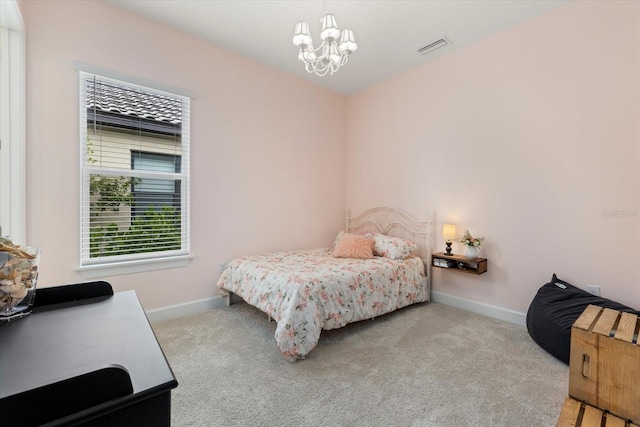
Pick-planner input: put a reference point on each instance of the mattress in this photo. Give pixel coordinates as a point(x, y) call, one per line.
point(308, 291)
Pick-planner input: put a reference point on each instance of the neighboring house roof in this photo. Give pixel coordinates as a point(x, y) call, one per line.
point(127, 106)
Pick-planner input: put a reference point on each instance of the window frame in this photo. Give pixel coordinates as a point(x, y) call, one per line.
point(122, 264)
point(12, 124)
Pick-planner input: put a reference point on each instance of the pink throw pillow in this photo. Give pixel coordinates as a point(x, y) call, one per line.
point(353, 246)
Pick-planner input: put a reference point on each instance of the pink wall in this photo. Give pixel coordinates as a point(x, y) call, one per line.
point(260, 180)
point(531, 138)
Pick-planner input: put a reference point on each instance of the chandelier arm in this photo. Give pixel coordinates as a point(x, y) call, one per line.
point(319, 69)
point(318, 48)
point(317, 59)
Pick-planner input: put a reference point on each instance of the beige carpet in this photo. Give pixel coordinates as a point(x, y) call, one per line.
point(425, 365)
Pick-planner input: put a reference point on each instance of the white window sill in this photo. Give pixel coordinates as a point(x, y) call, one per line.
point(127, 267)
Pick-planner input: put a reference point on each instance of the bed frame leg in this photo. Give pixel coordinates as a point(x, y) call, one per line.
point(229, 300)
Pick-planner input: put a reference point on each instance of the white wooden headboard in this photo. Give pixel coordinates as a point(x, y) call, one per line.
point(397, 223)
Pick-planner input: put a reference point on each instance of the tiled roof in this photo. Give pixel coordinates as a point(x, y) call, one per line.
point(133, 102)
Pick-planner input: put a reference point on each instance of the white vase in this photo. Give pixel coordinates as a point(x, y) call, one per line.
point(472, 251)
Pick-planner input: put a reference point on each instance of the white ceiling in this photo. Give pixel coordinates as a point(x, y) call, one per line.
point(388, 32)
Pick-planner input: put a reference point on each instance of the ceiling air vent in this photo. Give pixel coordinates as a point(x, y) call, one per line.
point(433, 46)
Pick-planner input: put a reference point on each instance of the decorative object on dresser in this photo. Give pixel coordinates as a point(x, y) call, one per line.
point(448, 234)
point(308, 291)
point(18, 279)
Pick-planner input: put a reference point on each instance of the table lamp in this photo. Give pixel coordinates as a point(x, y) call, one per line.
point(448, 234)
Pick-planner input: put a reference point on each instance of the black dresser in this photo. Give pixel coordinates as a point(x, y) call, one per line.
point(93, 362)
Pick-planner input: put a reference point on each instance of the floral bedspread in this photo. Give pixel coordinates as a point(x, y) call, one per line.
point(307, 291)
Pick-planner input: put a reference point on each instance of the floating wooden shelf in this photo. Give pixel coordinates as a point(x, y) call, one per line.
point(459, 263)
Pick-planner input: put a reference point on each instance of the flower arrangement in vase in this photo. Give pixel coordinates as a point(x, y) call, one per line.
point(473, 245)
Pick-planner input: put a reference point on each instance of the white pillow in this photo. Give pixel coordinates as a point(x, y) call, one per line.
point(392, 247)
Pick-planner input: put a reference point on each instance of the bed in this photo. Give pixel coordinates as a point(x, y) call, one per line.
point(307, 291)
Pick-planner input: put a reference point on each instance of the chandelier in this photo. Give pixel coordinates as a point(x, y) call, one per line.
point(330, 55)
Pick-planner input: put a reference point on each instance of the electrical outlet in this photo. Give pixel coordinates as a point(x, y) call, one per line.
point(593, 290)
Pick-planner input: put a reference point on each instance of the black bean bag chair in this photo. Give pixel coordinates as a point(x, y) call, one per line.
point(555, 308)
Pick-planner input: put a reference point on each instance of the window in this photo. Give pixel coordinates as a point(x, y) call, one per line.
point(155, 194)
point(134, 150)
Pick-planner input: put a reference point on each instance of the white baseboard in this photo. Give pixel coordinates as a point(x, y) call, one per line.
point(185, 309)
point(480, 308)
point(195, 307)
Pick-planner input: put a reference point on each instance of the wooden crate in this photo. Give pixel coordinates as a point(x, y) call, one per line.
point(577, 414)
point(604, 367)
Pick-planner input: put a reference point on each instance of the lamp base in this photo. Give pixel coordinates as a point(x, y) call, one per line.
point(448, 250)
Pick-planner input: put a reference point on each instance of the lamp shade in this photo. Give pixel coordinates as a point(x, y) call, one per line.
point(448, 231)
point(348, 42)
point(329, 27)
point(301, 35)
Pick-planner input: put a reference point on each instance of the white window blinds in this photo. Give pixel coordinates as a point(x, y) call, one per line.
point(134, 162)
